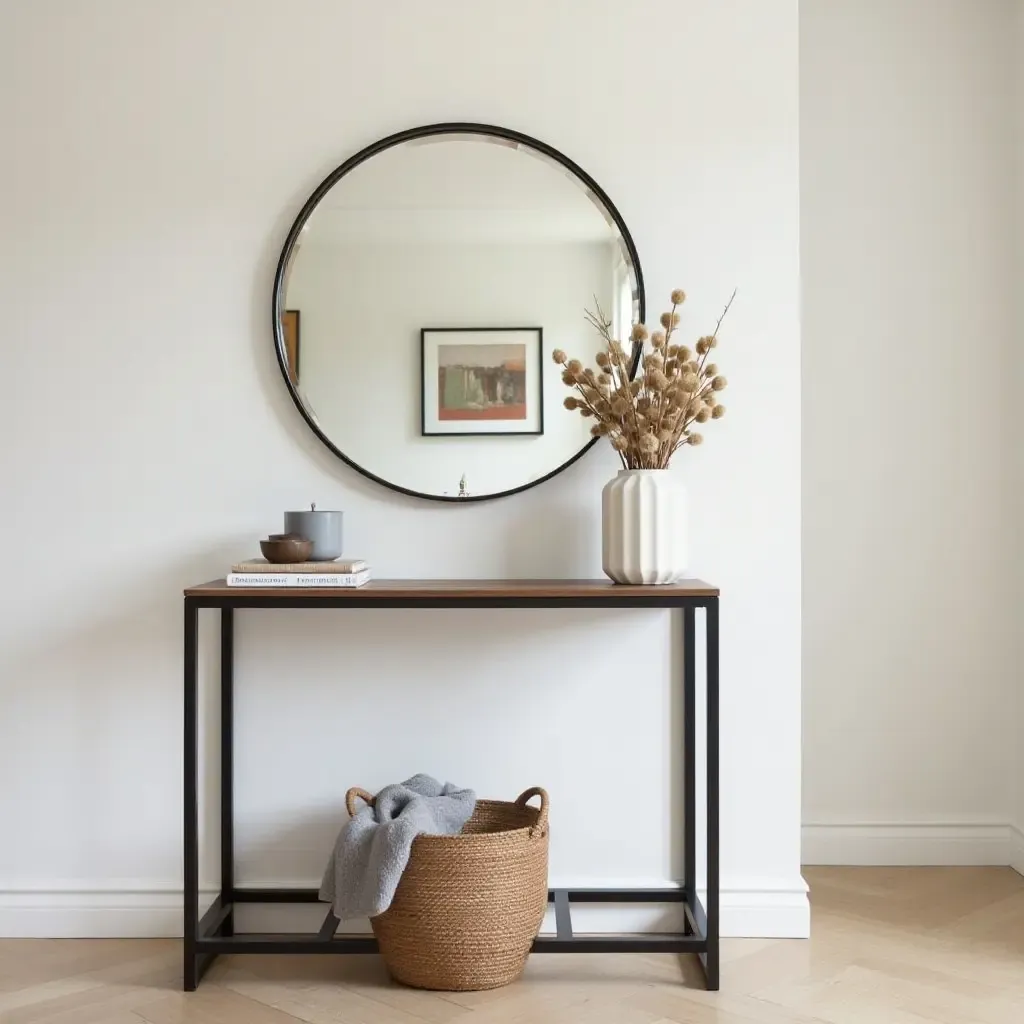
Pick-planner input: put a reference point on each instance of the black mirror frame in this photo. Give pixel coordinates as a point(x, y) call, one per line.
point(448, 128)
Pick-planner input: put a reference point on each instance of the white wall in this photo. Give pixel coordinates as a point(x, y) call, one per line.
point(1017, 839)
point(362, 308)
point(147, 439)
point(907, 192)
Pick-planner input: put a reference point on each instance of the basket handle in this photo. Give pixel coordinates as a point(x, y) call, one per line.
point(542, 818)
point(354, 794)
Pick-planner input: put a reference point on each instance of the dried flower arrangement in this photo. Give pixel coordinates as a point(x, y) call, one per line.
point(647, 419)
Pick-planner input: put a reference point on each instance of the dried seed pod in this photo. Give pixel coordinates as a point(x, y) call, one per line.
point(678, 296)
point(559, 356)
point(719, 383)
point(718, 412)
point(570, 402)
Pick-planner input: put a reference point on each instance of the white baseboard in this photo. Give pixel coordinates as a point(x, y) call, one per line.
point(923, 844)
point(783, 913)
point(99, 914)
point(1017, 849)
point(757, 909)
point(760, 910)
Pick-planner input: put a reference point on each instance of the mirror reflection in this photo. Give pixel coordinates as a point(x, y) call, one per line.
point(421, 298)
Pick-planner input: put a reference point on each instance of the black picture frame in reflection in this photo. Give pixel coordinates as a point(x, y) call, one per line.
point(482, 381)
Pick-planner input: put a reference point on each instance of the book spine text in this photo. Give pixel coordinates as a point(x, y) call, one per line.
point(290, 579)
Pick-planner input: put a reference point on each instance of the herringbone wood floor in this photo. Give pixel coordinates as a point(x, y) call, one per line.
point(889, 946)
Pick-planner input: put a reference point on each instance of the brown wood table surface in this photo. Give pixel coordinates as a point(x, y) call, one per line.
point(440, 589)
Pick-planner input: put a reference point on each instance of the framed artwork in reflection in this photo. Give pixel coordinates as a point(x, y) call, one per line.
point(290, 330)
point(482, 381)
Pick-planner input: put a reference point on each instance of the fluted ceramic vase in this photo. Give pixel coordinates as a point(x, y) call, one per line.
point(643, 527)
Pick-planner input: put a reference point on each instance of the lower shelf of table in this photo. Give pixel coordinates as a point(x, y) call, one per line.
point(267, 942)
point(213, 939)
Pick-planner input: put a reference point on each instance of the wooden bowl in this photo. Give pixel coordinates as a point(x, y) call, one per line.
point(283, 547)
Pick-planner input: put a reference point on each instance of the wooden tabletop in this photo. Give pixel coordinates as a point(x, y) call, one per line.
point(462, 589)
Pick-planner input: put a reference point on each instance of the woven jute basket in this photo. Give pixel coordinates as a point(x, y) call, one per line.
point(468, 906)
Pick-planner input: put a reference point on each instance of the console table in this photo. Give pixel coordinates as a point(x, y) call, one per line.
point(212, 933)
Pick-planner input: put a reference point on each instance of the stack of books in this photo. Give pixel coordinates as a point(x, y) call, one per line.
point(351, 572)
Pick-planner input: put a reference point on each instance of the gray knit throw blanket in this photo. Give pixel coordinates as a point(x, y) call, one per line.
point(373, 847)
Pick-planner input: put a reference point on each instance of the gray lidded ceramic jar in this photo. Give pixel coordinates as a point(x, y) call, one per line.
point(323, 528)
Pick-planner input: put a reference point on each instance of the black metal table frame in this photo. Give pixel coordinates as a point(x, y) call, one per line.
point(213, 933)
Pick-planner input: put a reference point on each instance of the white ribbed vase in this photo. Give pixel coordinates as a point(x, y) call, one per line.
point(644, 527)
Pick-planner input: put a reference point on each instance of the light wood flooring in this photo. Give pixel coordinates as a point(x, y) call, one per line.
point(889, 946)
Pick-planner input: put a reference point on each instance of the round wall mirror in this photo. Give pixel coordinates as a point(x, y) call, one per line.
point(420, 294)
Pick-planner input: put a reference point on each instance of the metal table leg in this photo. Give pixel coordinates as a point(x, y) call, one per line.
point(689, 754)
point(227, 767)
point(711, 959)
point(191, 797)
